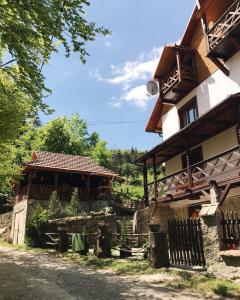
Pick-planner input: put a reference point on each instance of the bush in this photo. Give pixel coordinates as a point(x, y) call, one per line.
point(74, 207)
point(54, 207)
point(39, 216)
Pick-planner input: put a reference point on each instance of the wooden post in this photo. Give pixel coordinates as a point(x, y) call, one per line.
point(88, 186)
point(155, 177)
point(238, 122)
point(145, 181)
point(189, 171)
point(103, 241)
point(29, 183)
point(55, 181)
point(179, 65)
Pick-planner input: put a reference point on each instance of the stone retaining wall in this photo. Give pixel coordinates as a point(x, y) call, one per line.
point(5, 220)
point(76, 225)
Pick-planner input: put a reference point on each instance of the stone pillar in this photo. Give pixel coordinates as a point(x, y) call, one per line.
point(211, 243)
point(158, 250)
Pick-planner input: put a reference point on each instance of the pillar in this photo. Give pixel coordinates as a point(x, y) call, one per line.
point(55, 181)
point(29, 183)
point(155, 177)
point(145, 181)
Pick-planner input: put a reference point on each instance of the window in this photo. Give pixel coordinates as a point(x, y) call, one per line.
point(195, 156)
point(188, 113)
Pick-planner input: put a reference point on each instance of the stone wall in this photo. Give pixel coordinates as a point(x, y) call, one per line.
point(5, 220)
point(231, 204)
point(76, 225)
point(221, 264)
point(5, 225)
point(162, 214)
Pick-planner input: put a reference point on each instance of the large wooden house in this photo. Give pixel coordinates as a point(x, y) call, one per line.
point(197, 113)
point(48, 172)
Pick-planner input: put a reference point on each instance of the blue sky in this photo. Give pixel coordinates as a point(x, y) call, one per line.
point(111, 86)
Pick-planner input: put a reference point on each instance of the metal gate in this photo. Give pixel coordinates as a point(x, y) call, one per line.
point(185, 242)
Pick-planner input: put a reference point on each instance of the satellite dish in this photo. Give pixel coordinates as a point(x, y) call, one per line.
point(152, 87)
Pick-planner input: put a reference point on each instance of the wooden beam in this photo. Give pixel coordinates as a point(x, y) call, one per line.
point(220, 65)
point(203, 8)
point(55, 181)
point(155, 177)
point(30, 173)
point(224, 194)
point(88, 186)
point(235, 42)
point(168, 101)
point(145, 182)
point(179, 65)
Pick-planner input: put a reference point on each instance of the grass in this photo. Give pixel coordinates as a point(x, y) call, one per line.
point(205, 283)
point(208, 284)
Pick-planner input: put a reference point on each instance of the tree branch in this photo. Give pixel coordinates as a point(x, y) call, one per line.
point(8, 62)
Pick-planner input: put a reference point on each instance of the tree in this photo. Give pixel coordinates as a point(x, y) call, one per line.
point(30, 31)
point(54, 206)
point(74, 203)
point(101, 154)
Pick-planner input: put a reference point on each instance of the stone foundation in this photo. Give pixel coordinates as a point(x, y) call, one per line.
point(76, 225)
point(5, 225)
point(221, 264)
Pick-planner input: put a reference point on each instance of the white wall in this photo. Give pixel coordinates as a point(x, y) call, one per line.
point(211, 147)
point(209, 93)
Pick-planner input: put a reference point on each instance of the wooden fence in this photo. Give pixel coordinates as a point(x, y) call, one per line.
point(186, 242)
point(230, 230)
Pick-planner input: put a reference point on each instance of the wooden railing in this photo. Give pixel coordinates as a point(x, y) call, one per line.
point(224, 25)
point(187, 73)
point(219, 167)
point(43, 192)
point(170, 81)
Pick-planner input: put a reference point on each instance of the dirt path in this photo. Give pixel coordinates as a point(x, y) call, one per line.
point(30, 276)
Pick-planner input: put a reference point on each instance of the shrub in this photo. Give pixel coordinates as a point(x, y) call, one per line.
point(38, 217)
point(54, 206)
point(74, 207)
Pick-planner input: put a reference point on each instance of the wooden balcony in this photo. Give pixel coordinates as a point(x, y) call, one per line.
point(222, 168)
point(43, 192)
point(182, 77)
point(224, 36)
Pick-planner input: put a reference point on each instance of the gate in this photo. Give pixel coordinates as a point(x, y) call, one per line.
point(230, 230)
point(185, 242)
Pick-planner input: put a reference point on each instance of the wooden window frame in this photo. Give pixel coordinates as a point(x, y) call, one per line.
point(190, 104)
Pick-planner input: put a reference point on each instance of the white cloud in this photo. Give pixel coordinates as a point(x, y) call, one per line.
point(137, 96)
point(132, 77)
point(140, 69)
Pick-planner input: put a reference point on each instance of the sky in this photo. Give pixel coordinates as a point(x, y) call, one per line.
point(109, 90)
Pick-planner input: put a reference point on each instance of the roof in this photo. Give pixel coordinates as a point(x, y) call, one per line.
point(155, 122)
point(219, 118)
point(68, 163)
point(166, 61)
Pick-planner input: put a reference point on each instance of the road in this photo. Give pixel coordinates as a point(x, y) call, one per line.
point(28, 275)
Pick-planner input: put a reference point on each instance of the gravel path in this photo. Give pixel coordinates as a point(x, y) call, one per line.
point(29, 276)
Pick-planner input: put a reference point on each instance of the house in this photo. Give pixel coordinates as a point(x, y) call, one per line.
point(48, 172)
point(197, 114)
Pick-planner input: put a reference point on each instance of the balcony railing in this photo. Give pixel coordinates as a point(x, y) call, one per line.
point(219, 168)
point(43, 192)
point(174, 78)
point(224, 26)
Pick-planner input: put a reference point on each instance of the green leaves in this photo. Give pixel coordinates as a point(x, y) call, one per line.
point(29, 33)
